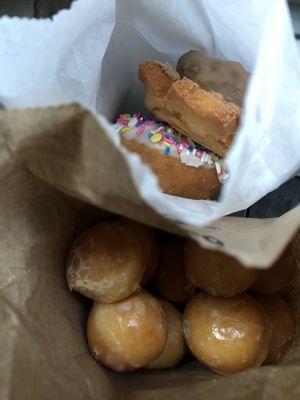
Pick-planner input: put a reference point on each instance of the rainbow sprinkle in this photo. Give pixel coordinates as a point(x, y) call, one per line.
point(172, 142)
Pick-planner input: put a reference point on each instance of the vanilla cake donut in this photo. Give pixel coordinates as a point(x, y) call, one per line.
point(175, 345)
point(282, 324)
point(128, 334)
point(228, 335)
point(107, 262)
point(183, 167)
point(215, 272)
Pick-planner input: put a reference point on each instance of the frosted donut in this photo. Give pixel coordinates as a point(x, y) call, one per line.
point(175, 345)
point(183, 167)
point(228, 335)
point(215, 272)
point(128, 334)
point(279, 277)
point(282, 324)
point(170, 279)
point(226, 77)
point(106, 263)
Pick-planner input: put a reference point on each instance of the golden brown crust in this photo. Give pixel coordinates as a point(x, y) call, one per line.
point(176, 178)
point(157, 76)
point(205, 117)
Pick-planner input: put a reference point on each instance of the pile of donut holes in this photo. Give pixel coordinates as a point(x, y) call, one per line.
point(156, 295)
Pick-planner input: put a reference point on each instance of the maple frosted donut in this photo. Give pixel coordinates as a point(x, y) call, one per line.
point(228, 335)
point(128, 334)
point(106, 263)
point(183, 167)
point(170, 279)
point(222, 76)
point(175, 345)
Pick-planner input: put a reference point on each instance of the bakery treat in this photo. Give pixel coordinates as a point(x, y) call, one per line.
point(282, 324)
point(183, 167)
point(175, 345)
point(215, 272)
point(279, 277)
point(106, 263)
point(170, 279)
point(157, 78)
point(228, 335)
point(222, 76)
point(152, 251)
point(203, 116)
point(128, 334)
point(150, 246)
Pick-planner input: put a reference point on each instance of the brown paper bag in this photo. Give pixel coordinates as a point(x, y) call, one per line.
point(57, 171)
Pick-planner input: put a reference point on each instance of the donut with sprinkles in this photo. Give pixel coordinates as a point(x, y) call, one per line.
point(183, 167)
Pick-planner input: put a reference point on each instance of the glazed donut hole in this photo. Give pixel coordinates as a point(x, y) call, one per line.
point(106, 263)
point(150, 246)
point(215, 272)
point(129, 334)
point(170, 280)
point(282, 324)
point(174, 348)
point(228, 335)
point(279, 277)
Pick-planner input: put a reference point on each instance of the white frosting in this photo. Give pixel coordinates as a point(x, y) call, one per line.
point(155, 135)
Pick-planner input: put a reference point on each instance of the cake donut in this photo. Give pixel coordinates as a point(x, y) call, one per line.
point(182, 166)
point(204, 116)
